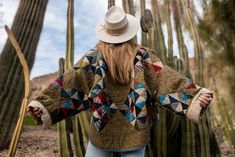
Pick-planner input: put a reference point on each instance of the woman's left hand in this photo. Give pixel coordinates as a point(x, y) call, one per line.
point(205, 99)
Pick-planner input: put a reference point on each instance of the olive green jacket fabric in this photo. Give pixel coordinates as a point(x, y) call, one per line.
point(121, 114)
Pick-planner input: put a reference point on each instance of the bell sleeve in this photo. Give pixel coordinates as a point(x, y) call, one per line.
point(171, 90)
point(68, 94)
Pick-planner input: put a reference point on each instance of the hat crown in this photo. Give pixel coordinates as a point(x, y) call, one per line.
point(117, 26)
point(115, 18)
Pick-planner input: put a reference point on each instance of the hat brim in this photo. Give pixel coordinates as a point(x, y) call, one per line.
point(132, 29)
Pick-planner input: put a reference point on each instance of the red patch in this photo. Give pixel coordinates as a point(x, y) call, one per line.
point(135, 82)
point(99, 111)
point(105, 120)
point(93, 108)
point(191, 86)
point(132, 109)
point(102, 97)
point(59, 81)
point(65, 111)
point(156, 68)
point(64, 100)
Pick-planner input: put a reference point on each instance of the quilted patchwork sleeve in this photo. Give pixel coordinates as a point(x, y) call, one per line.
point(173, 91)
point(68, 94)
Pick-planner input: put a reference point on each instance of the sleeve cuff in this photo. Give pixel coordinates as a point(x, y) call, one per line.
point(46, 118)
point(194, 109)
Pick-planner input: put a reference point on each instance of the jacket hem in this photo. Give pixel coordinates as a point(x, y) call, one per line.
point(121, 150)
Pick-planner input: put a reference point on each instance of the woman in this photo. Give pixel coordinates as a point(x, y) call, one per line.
point(122, 84)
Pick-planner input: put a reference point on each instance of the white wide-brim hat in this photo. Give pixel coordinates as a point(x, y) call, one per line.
point(117, 26)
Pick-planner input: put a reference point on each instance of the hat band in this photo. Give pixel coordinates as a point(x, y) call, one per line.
point(117, 32)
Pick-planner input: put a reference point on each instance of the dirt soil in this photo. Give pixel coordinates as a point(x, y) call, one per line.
point(35, 142)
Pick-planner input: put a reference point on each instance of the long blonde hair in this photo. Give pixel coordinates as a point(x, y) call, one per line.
point(119, 58)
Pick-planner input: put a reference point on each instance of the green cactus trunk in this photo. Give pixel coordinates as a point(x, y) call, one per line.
point(197, 45)
point(69, 59)
point(225, 118)
point(181, 138)
point(128, 6)
point(159, 31)
point(160, 135)
point(27, 26)
point(204, 127)
point(157, 43)
point(65, 147)
point(64, 126)
point(183, 52)
point(170, 37)
point(80, 122)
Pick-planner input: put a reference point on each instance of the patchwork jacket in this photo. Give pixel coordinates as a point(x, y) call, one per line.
point(121, 115)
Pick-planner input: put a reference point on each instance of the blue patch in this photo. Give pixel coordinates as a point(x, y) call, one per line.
point(141, 104)
point(162, 99)
point(139, 86)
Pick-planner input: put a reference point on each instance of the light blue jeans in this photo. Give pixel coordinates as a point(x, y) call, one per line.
point(93, 151)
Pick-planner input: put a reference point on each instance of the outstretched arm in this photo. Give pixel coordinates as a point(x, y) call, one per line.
point(68, 94)
point(175, 92)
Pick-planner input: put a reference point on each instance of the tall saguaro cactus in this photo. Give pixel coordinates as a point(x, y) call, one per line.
point(65, 147)
point(70, 36)
point(26, 27)
point(80, 123)
point(159, 31)
point(197, 45)
point(177, 136)
point(170, 36)
point(183, 52)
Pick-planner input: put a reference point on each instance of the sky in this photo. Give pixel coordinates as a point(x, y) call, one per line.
point(52, 41)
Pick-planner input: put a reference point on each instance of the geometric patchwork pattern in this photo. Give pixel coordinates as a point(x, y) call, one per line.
point(176, 102)
point(89, 62)
point(134, 107)
point(73, 100)
point(189, 84)
point(72, 105)
point(102, 108)
point(142, 59)
point(102, 105)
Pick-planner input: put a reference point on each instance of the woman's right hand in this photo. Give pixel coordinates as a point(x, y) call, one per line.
point(36, 112)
